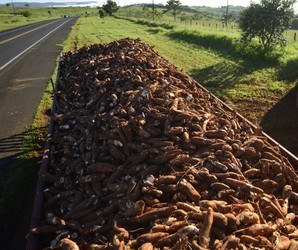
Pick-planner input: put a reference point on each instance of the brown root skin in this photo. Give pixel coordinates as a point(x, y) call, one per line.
point(121, 232)
point(188, 207)
point(248, 218)
point(188, 231)
point(231, 243)
point(242, 185)
point(275, 209)
point(149, 216)
point(203, 142)
point(187, 188)
point(160, 228)
point(220, 133)
point(96, 247)
point(282, 243)
point(293, 235)
point(293, 245)
point(258, 230)
point(250, 240)
point(151, 237)
point(135, 208)
point(167, 179)
point(146, 246)
point(204, 234)
point(214, 204)
point(101, 167)
point(67, 244)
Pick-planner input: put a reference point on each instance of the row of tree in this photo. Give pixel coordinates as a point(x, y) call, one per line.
point(173, 6)
point(265, 21)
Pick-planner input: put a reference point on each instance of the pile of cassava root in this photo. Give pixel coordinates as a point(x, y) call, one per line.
point(142, 158)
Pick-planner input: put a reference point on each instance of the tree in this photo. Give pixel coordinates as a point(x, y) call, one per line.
point(151, 12)
point(50, 13)
point(101, 13)
point(26, 13)
point(267, 22)
point(226, 18)
point(174, 6)
point(145, 10)
point(110, 7)
point(295, 24)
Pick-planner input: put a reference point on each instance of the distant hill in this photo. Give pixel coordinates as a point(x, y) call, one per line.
point(17, 4)
point(201, 11)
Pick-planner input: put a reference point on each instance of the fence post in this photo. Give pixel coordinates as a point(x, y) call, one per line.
point(295, 36)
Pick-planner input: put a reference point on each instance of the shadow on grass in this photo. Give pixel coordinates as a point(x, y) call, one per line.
point(147, 23)
point(281, 122)
point(250, 57)
point(219, 77)
point(289, 70)
point(9, 145)
point(224, 45)
point(17, 185)
point(154, 31)
point(18, 174)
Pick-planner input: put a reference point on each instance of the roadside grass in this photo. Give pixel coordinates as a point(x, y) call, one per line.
point(8, 20)
point(288, 70)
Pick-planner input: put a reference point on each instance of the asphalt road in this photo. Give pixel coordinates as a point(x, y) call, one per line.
point(27, 60)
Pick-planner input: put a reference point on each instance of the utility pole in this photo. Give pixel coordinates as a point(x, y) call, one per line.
point(227, 13)
point(153, 10)
point(14, 11)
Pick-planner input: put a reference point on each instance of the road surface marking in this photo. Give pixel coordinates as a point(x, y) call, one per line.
point(27, 32)
point(20, 28)
point(10, 61)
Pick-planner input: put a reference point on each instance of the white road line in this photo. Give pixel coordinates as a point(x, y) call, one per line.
point(24, 27)
point(10, 61)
